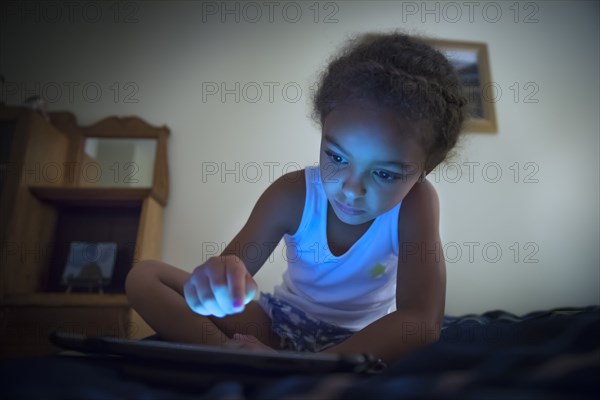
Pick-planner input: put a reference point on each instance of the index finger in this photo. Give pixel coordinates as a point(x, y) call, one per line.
point(236, 281)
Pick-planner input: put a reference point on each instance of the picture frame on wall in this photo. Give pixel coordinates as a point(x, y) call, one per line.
point(471, 61)
point(89, 265)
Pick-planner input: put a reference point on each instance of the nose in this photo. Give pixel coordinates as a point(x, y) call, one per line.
point(352, 187)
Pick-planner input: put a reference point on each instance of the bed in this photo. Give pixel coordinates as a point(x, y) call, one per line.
point(549, 354)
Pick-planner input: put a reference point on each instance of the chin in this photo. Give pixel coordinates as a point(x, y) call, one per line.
point(352, 219)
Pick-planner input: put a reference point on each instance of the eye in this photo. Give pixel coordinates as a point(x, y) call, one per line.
point(335, 157)
point(386, 176)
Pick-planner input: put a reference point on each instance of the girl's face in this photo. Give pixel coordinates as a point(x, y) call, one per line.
point(369, 161)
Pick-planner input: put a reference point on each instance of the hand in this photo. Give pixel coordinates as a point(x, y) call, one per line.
point(221, 286)
point(247, 342)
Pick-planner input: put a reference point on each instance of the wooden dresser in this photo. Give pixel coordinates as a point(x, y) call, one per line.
point(50, 197)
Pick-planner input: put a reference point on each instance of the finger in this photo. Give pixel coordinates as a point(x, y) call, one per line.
point(251, 289)
point(207, 295)
point(214, 308)
point(206, 298)
point(241, 337)
point(220, 301)
point(220, 298)
point(202, 286)
point(232, 343)
point(191, 297)
point(236, 282)
point(200, 309)
point(189, 294)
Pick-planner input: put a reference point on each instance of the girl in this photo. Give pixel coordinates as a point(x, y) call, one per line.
point(361, 229)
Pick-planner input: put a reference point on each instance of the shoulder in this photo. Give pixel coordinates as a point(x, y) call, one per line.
point(420, 209)
point(287, 194)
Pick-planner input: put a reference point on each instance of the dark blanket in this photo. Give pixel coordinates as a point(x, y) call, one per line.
point(551, 354)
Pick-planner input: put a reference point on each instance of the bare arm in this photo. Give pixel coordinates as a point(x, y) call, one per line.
point(223, 285)
point(421, 285)
point(277, 211)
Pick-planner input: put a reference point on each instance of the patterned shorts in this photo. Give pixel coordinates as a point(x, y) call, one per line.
point(298, 331)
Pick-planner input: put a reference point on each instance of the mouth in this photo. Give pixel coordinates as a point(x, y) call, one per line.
point(348, 210)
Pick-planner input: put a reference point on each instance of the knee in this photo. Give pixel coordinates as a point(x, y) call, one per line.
point(140, 275)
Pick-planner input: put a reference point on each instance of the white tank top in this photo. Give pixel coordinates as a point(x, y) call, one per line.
point(349, 291)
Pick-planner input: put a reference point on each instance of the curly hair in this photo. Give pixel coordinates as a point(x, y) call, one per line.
point(401, 72)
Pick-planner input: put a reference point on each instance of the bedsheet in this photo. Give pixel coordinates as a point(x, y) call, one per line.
point(550, 354)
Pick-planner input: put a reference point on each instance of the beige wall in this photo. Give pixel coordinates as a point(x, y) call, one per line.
point(157, 61)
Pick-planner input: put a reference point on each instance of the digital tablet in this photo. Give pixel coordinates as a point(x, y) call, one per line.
point(217, 358)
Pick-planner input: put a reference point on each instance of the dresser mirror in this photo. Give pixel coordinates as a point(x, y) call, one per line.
point(118, 162)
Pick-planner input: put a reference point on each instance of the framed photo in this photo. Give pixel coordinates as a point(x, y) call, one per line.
point(89, 265)
point(472, 64)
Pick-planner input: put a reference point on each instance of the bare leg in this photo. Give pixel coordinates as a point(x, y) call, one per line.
point(155, 290)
